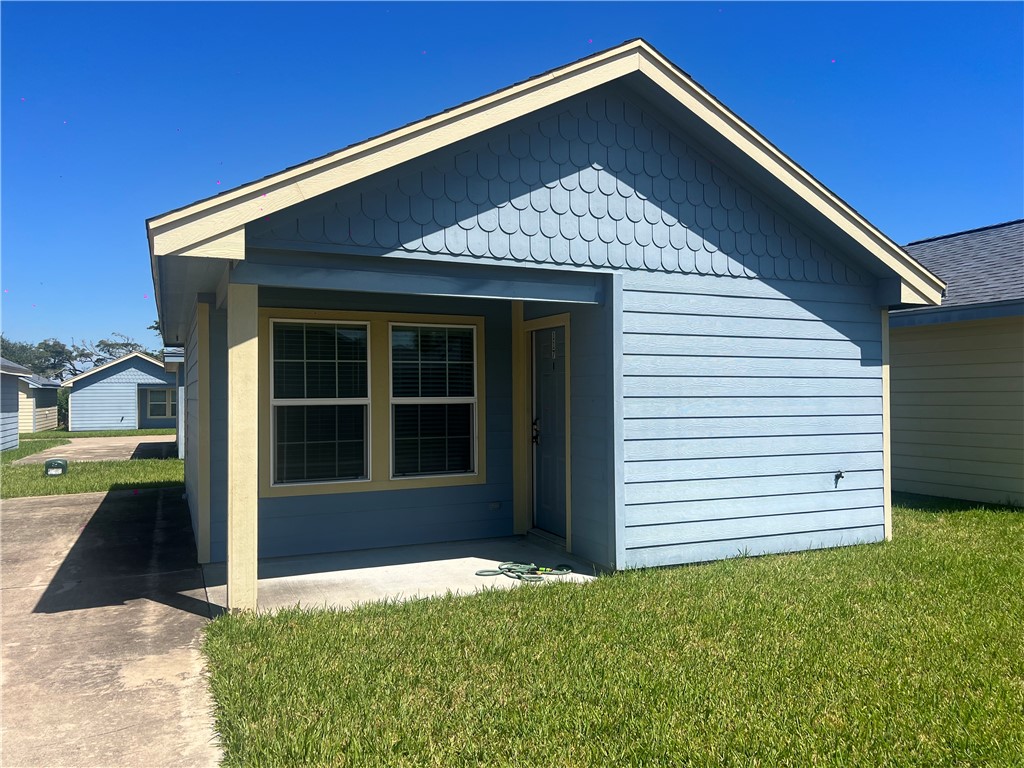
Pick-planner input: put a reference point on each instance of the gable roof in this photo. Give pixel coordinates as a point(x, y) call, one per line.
point(979, 265)
point(121, 359)
point(7, 366)
point(215, 227)
point(38, 382)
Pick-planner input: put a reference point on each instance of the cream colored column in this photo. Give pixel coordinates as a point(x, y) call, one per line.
point(202, 441)
point(886, 429)
point(243, 439)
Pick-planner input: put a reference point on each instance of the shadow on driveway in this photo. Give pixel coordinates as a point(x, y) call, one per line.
point(137, 544)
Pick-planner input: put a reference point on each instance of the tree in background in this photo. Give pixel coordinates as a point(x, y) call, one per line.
point(53, 359)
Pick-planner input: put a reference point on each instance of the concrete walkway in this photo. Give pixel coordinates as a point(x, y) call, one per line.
point(346, 579)
point(101, 661)
point(108, 449)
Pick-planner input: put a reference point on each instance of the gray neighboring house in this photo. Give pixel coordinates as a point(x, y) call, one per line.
point(132, 392)
point(958, 371)
point(11, 375)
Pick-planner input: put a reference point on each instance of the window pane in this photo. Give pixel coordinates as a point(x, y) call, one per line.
point(321, 423)
point(174, 396)
point(460, 420)
point(404, 344)
point(320, 343)
point(407, 421)
point(291, 424)
point(405, 380)
point(460, 457)
point(157, 396)
point(432, 420)
point(289, 379)
point(321, 461)
point(433, 344)
point(460, 344)
point(460, 380)
point(320, 442)
point(291, 463)
point(407, 457)
point(433, 380)
point(157, 410)
point(351, 343)
point(321, 380)
point(433, 439)
point(352, 379)
point(351, 459)
point(288, 342)
point(433, 456)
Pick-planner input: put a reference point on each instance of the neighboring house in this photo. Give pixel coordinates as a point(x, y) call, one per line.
point(958, 371)
point(132, 392)
point(10, 376)
point(37, 404)
point(595, 304)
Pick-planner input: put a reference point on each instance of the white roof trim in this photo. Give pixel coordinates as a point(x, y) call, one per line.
point(213, 219)
point(99, 368)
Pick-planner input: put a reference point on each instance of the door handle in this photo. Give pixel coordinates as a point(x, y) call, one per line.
point(536, 431)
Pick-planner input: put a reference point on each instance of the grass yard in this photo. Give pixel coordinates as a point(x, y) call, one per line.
point(101, 433)
point(87, 476)
point(27, 448)
point(903, 654)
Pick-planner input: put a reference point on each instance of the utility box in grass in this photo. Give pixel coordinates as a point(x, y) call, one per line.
point(55, 467)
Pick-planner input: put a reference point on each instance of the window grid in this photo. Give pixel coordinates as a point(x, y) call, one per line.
point(433, 400)
point(321, 421)
point(163, 397)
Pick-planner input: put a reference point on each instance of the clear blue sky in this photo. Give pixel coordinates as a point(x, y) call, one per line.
point(112, 113)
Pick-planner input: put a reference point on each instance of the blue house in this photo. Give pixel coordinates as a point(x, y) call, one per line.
point(595, 304)
point(132, 392)
point(11, 376)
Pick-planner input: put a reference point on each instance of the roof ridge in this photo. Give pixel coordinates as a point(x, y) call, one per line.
point(966, 232)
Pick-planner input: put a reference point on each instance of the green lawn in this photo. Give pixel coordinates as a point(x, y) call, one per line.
point(101, 433)
point(27, 448)
point(903, 654)
point(87, 476)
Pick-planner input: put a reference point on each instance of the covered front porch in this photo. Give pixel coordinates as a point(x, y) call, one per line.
point(348, 579)
point(542, 430)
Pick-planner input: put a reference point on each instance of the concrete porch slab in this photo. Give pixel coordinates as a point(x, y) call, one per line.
point(346, 579)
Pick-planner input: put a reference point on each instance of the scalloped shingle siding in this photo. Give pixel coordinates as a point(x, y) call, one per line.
point(599, 183)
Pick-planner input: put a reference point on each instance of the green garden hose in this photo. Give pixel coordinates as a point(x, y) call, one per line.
point(526, 571)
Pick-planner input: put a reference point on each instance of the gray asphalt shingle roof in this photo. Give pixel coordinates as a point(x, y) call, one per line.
point(10, 367)
point(980, 266)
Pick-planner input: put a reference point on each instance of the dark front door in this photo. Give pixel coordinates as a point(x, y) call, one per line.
point(549, 430)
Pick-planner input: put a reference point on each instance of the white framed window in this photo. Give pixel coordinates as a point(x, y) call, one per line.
point(162, 403)
point(319, 395)
point(433, 386)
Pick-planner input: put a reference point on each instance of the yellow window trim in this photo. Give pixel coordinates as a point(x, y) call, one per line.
point(379, 416)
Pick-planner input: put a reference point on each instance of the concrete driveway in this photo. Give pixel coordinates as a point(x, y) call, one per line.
point(101, 632)
point(108, 449)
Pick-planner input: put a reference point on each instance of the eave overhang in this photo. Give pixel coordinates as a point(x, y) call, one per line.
point(215, 227)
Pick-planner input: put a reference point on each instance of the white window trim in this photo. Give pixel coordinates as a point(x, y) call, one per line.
point(364, 401)
point(393, 401)
point(171, 402)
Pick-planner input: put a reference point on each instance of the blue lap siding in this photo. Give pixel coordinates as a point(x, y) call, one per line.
point(111, 398)
point(742, 400)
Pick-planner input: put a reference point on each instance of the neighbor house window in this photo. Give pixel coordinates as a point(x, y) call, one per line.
point(433, 400)
point(162, 403)
point(319, 399)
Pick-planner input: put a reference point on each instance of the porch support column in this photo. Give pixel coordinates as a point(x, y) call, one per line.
point(886, 429)
point(243, 438)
